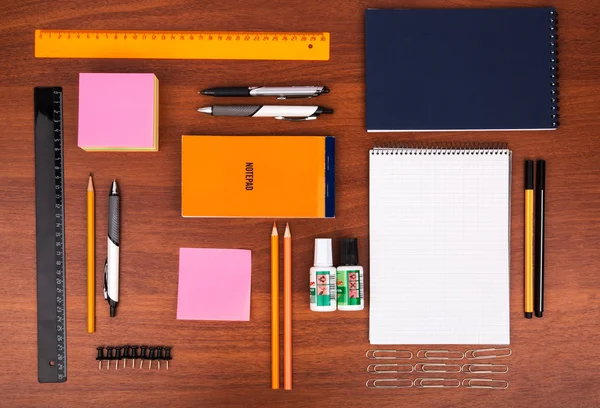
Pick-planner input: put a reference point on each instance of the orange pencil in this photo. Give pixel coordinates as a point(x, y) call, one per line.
point(274, 308)
point(287, 309)
point(91, 261)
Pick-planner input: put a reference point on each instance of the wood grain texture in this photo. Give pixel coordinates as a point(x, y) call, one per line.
point(556, 360)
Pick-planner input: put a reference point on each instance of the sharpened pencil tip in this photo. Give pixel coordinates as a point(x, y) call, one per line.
point(90, 183)
point(287, 231)
point(274, 231)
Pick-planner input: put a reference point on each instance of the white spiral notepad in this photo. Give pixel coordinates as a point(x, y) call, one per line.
point(439, 225)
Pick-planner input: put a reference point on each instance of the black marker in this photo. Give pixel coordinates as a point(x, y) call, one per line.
point(540, 212)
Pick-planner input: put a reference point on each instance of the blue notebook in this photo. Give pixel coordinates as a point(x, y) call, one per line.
point(461, 69)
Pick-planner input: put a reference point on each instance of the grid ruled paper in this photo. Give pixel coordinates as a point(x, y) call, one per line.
point(439, 247)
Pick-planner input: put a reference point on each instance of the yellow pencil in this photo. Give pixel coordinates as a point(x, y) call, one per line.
point(91, 270)
point(287, 309)
point(274, 308)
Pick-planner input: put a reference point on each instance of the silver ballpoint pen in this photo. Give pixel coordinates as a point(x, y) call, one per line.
point(281, 92)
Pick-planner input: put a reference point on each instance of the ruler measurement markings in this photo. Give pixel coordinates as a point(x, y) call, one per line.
point(60, 215)
point(187, 36)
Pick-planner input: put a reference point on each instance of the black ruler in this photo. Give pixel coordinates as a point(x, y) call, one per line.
point(50, 235)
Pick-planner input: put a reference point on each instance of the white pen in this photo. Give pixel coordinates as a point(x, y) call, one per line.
point(286, 112)
point(111, 267)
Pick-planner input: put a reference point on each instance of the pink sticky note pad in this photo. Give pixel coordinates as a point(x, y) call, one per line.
point(117, 111)
point(214, 284)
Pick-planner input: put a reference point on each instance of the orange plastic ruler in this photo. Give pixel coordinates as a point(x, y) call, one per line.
point(301, 46)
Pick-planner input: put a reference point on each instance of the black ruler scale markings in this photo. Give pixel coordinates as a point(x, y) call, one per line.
point(50, 235)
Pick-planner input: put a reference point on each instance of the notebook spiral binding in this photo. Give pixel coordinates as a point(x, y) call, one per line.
point(442, 148)
point(554, 66)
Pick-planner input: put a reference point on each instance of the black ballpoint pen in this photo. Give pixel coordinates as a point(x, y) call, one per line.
point(285, 112)
point(111, 267)
point(281, 92)
point(540, 212)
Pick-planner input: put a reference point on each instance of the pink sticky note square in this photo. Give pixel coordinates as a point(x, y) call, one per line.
point(214, 284)
point(118, 111)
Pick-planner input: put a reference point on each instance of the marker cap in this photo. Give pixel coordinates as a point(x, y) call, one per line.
point(540, 176)
point(349, 251)
point(323, 254)
point(528, 174)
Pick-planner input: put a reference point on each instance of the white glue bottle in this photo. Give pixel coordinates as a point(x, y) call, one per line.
point(350, 290)
point(323, 291)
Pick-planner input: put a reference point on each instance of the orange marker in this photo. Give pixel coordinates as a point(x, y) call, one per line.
point(287, 309)
point(274, 308)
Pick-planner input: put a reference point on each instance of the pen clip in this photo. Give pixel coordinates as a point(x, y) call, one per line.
point(282, 97)
point(105, 283)
point(296, 119)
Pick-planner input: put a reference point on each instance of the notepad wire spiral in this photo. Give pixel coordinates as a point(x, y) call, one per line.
point(554, 66)
point(441, 148)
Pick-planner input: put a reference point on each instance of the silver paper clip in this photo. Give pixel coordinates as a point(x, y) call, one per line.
point(487, 383)
point(436, 383)
point(398, 354)
point(386, 368)
point(440, 354)
point(393, 383)
point(488, 353)
point(437, 368)
point(484, 368)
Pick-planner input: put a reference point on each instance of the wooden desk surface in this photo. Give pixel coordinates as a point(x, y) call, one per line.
point(555, 361)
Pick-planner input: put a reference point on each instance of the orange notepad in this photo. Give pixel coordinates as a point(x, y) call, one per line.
point(258, 176)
